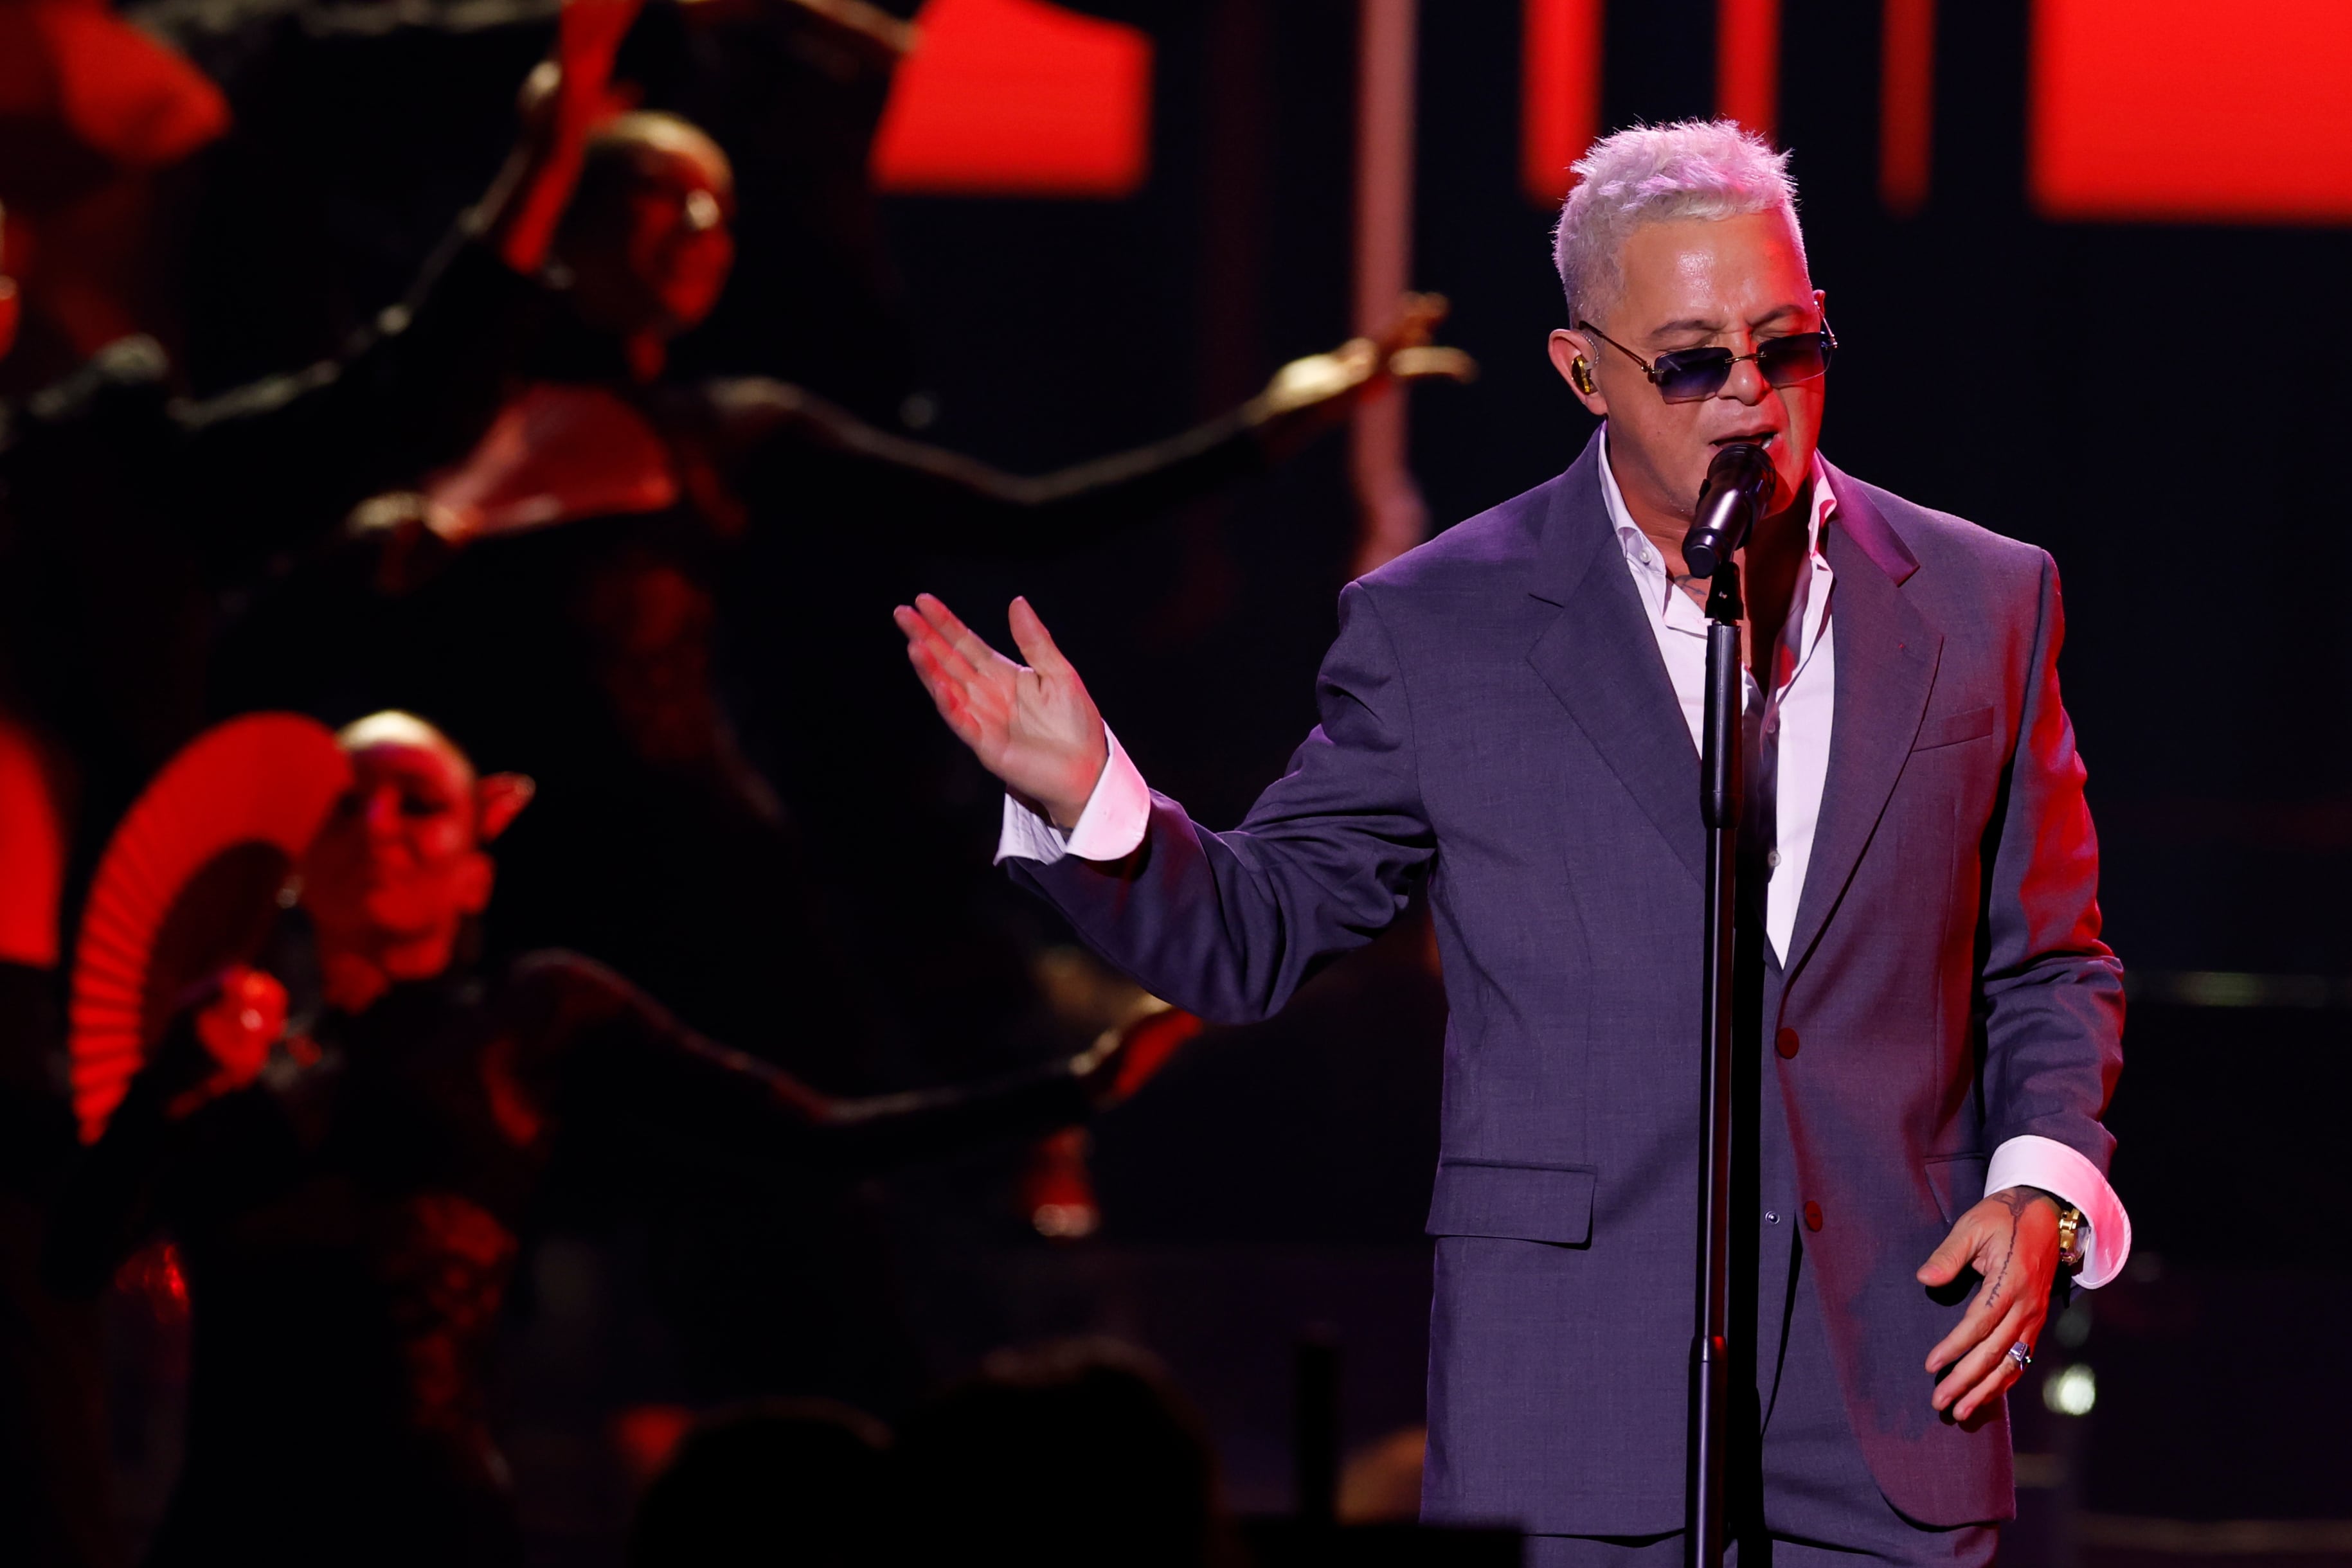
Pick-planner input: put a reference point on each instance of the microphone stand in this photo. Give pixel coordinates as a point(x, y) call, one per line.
point(1739, 482)
point(1720, 794)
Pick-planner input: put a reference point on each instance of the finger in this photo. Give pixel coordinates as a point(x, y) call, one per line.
point(925, 633)
point(1979, 1362)
point(1999, 1373)
point(1944, 1264)
point(948, 697)
point(1432, 363)
point(1036, 643)
point(1984, 1307)
point(927, 654)
point(1992, 1388)
point(2026, 1330)
point(912, 624)
point(926, 664)
point(1969, 1331)
point(941, 671)
point(960, 637)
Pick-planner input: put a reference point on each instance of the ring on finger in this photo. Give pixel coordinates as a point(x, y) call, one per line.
point(2021, 1353)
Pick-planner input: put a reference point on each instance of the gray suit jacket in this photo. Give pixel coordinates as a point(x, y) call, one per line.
point(1496, 720)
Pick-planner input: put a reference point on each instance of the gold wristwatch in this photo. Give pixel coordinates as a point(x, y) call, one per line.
point(2069, 1238)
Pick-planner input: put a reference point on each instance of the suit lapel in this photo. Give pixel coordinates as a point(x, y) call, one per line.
point(1887, 656)
point(1600, 660)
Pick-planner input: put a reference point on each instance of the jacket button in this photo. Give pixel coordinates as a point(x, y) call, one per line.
point(1785, 1042)
point(1813, 1215)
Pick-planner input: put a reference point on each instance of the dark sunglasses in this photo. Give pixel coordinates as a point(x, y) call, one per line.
point(1686, 375)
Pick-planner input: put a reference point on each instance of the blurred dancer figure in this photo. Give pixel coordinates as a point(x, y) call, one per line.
point(348, 1212)
point(563, 583)
point(561, 600)
point(118, 502)
point(115, 502)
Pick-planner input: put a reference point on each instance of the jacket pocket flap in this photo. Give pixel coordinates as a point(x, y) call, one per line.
point(1953, 729)
point(1959, 1181)
point(1517, 1203)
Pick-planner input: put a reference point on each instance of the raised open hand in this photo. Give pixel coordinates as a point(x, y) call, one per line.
point(1030, 725)
point(2010, 1239)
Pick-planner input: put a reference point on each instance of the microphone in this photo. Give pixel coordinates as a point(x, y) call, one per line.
point(1740, 482)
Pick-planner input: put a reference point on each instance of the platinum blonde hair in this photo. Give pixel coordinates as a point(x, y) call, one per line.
point(1649, 173)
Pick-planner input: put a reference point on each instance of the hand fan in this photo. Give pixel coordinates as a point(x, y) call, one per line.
point(191, 882)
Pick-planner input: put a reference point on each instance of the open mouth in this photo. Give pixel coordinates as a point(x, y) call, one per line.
point(1764, 438)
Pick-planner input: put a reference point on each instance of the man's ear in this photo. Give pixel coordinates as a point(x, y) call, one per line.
point(499, 800)
point(1574, 356)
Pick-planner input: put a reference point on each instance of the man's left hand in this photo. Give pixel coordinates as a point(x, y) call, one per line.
point(2010, 1239)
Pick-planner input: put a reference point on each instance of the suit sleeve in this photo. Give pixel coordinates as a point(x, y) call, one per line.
point(2052, 992)
point(1228, 925)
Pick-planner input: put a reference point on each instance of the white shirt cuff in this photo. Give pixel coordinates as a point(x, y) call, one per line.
point(2053, 1167)
point(1108, 830)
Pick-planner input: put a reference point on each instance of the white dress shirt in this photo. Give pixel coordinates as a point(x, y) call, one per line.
point(1786, 747)
point(1786, 739)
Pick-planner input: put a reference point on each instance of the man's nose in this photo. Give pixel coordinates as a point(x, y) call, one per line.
point(1747, 386)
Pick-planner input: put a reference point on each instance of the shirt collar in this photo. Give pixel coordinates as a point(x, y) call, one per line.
point(1637, 544)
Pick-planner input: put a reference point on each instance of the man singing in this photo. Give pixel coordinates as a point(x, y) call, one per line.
point(1509, 717)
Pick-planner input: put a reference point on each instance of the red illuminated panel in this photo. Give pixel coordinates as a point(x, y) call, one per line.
point(2190, 110)
point(1559, 91)
point(1906, 105)
point(1018, 97)
point(1748, 63)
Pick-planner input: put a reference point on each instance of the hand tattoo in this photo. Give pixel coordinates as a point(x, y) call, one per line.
point(2017, 1200)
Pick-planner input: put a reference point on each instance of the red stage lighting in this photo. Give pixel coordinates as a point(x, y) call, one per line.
point(1748, 63)
point(1016, 98)
point(1906, 105)
point(1559, 93)
point(2187, 112)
